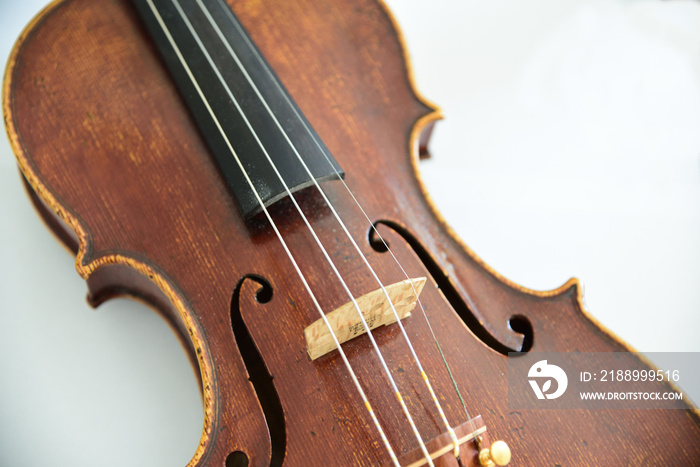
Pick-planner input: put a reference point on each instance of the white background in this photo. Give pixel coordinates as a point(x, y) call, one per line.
point(571, 146)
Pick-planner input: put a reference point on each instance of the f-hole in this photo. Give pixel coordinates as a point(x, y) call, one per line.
point(518, 323)
point(237, 459)
point(259, 377)
point(522, 325)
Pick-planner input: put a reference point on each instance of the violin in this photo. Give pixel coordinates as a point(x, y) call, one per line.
point(119, 170)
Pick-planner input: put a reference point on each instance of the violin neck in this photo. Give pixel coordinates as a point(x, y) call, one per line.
point(263, 145)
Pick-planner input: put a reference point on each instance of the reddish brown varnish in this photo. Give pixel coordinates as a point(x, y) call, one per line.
point(110, 153)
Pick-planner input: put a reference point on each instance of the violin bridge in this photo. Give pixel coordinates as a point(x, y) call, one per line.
point(376, 310)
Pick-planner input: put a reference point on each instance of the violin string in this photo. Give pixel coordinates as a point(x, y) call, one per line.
point(364, 213)
point(342, 224)
point(353, 376)
point(325, 253)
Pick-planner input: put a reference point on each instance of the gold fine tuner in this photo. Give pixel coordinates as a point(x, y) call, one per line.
point(497, 454)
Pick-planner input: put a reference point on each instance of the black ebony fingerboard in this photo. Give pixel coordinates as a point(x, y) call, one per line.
point(237, 101)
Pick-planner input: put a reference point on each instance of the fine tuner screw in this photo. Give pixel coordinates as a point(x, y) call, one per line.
point(498, 454)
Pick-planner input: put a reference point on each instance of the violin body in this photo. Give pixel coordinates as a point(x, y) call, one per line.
point(119, 171)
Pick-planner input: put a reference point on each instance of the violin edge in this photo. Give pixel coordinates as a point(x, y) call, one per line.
point(419, 139)
point(87, 269)
point(86, 266)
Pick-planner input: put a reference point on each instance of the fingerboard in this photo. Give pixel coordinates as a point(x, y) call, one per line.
point(248, 119)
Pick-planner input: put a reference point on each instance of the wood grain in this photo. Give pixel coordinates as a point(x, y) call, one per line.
point(106, 144)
